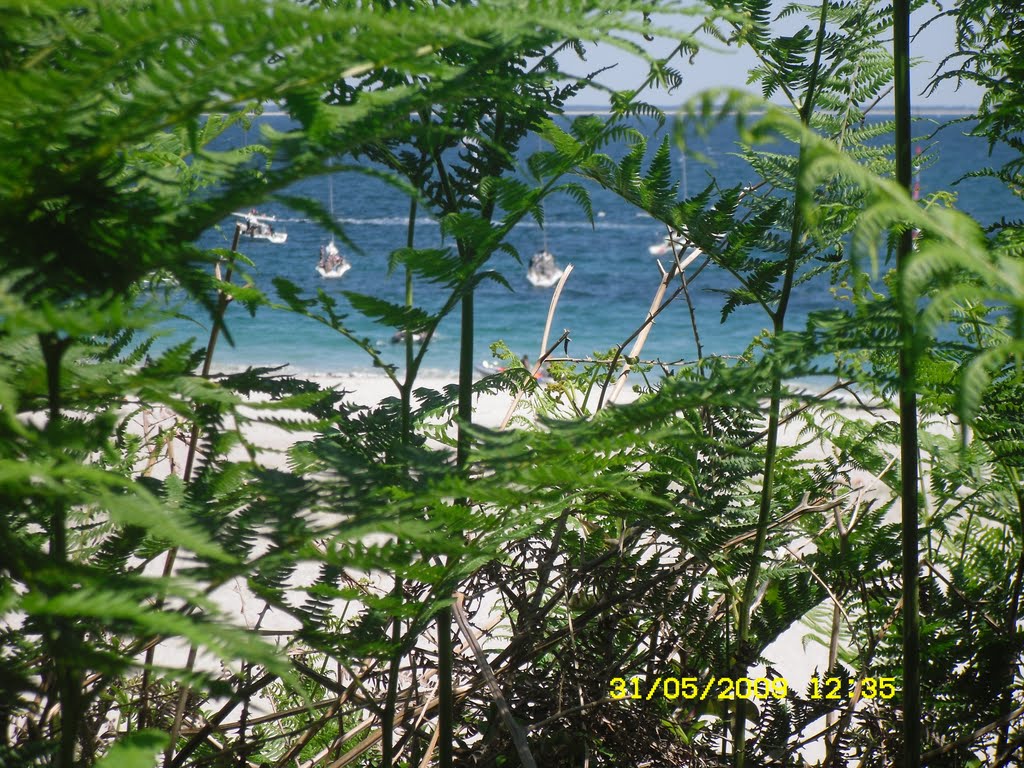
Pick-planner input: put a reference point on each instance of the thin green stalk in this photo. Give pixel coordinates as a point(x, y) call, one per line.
point(63, 640)
point(750, 587)
point(908, 410)
point(390, 702)
point(53, 350)
point(445, 647)
point(1010, 624)
point(410, 356)
point(218, 320)
point(465, 378)
point(833, 739)
point(774, 413)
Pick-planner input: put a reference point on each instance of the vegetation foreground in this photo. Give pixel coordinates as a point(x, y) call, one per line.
point(597, 585)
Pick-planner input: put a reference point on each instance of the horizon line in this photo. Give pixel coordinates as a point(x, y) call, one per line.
point(598, 109)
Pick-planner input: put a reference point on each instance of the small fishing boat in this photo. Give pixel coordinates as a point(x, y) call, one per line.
point(487, 367)
point(668, 246)
point(399, 336)
point(260, 227)
point(332, 264)
point(676, 242)
point(543, 271)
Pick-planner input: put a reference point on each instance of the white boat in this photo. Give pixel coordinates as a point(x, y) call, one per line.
point(260, 227)
point(678, 243)
point(332, 264)
point(543, 271)
point(399, 336)
point(672, 242)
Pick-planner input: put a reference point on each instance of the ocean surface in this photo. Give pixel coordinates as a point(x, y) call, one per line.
point(605, 299)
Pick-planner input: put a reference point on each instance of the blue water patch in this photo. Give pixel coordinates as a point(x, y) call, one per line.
point(604, 301)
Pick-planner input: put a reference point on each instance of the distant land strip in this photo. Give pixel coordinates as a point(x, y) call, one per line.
point(881, 109)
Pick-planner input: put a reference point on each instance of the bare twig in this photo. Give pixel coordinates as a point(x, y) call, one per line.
point(179, 709)
point(945, 749)
point(658, 305)
point(955, 590)
point(570, 711)
point(515, 730)
point(551, 308)
point(223, 299)
point(832, 595)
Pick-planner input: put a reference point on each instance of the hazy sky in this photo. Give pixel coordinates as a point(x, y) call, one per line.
point(714, 69)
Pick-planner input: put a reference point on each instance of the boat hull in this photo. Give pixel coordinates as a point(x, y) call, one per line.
point(277, 238)
point(331, 274)
point(543, 279)
point(259, 227)
point(543, 271)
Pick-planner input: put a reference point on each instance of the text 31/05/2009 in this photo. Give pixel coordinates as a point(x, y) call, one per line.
point(722, 688)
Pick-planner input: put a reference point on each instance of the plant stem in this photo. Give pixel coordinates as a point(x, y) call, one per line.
point(516, 731)
point(63, 640)
point(843, 533)
point(410, 358)
point(218, 320)
point(445, 649)
point(693, 320)
point(750, 587)
point(1014, 612)
point(774, 411)
point(444, 616)
point(908, 409)
point(388, 720)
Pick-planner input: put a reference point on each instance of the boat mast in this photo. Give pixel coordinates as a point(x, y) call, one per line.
point(330, 193)
point(543, 218)
point(330, 200)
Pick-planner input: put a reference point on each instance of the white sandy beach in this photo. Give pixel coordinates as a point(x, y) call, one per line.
point(793, 659)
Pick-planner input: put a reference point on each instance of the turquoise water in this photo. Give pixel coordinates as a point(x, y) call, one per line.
point(605, 299)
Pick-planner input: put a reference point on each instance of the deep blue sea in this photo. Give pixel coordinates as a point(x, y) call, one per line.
point(604, 301)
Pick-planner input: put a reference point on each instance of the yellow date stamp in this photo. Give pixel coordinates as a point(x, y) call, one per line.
point(731, 688)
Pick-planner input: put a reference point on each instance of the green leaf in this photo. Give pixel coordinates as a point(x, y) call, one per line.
point(135, 750)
